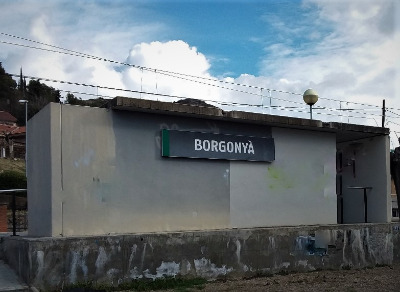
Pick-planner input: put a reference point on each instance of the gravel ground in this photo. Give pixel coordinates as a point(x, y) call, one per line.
point(376, 279)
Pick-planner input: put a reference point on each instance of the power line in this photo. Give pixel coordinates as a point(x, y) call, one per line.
point(392, 112)
point(180, 76)
point(44, 44)
point(113, 88)
point(86, 93)
point(142, 92)
point(282, 108)
point(165, 72)
point(76, 53)
point(236, 90)
point(392, 123)
point(94, 86)
point(116, 89)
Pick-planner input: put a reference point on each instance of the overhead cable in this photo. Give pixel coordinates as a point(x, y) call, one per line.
point(281, 108)
point(172, 74)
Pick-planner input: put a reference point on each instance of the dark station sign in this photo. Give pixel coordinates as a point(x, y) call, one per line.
point(217, 146)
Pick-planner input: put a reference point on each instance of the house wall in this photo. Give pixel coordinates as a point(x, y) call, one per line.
point(371, 158)
point(3, 218)
point(106, 175)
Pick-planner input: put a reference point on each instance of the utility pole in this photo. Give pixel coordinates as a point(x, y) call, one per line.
point(25, 101)
point(383, 114)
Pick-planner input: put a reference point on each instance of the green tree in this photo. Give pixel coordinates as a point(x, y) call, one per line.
point(96, 102)
point(39, 95)
point(71, 99)
point(8, 93)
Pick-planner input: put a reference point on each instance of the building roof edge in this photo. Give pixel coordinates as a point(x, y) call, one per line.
point(153, 106)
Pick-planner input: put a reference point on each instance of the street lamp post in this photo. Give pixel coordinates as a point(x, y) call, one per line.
point(310, 97)
point(24, 101)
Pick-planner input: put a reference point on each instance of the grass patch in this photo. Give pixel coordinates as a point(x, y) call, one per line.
point(17, 165)
point(381, 265)
point(258, 274)
point(178, 284)
point(164, 283)
point(347, 267)
point(261, 274)
point(285, 272)
point(10, 179)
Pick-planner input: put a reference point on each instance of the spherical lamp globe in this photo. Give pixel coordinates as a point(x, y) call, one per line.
point(310, 96)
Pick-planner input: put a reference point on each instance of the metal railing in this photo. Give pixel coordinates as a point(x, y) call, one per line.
point(13, 206)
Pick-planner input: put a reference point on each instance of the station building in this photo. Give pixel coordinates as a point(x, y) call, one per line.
point(140, 166)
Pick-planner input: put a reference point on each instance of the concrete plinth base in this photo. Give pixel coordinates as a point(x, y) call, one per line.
point(49, 263)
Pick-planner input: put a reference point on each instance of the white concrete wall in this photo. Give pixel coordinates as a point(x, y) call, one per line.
point(40, 174)
point(109, 177)
point(297, 188)
point(372, 165)
point(96, 171)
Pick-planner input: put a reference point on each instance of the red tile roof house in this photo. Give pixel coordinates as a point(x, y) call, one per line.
point(7, 119)
point(12, 137)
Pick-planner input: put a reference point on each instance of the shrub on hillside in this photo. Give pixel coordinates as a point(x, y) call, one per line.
point(10, 179)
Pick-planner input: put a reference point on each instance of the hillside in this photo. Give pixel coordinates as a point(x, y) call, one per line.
point(11, 164)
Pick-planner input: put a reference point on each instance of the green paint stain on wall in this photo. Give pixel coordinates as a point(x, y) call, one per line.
point(280, 179)
point(273, 172)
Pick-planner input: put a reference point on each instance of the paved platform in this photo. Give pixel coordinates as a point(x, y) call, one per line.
point(9, 280)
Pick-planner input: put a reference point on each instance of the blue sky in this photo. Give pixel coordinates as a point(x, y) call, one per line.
point(233, 34)
point(346, 50)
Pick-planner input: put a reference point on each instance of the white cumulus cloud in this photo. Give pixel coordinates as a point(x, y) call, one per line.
point(166, 58)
